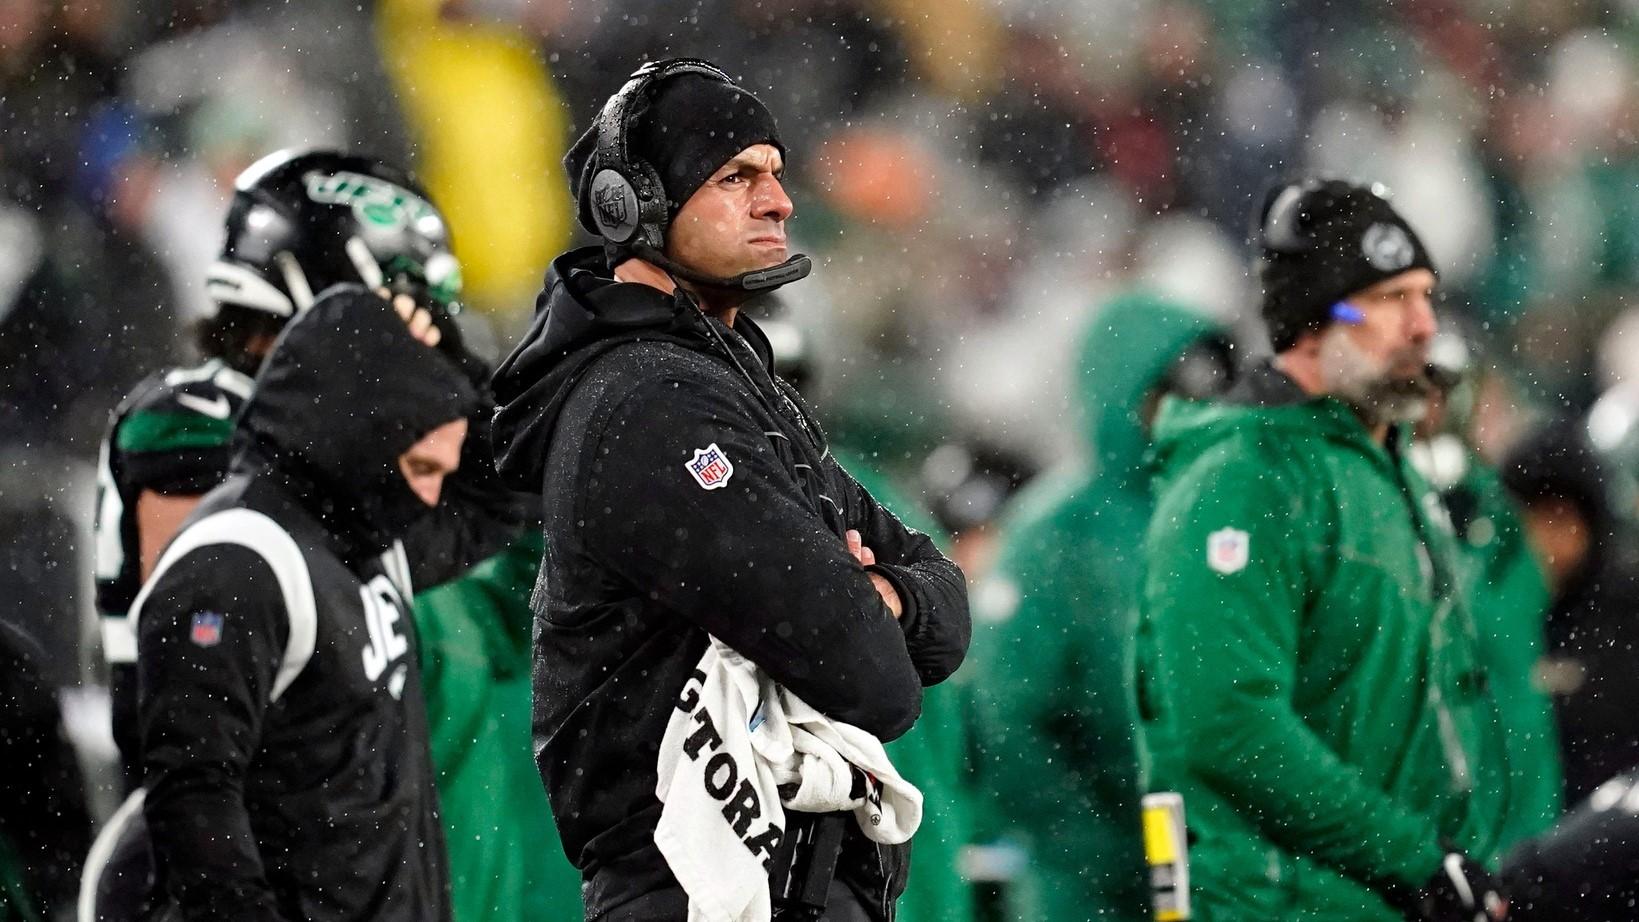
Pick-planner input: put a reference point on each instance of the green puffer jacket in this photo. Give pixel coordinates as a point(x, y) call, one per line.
point(1309, 673)
point(506, 864)
point(1052, 656)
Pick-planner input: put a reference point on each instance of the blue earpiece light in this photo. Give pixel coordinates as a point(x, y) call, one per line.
point(1344, 312)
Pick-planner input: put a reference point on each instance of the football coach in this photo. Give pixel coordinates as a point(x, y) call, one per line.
point(689, 493)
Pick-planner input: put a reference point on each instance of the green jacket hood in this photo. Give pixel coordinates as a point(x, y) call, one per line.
point(1185, 429)
point(1124, 353)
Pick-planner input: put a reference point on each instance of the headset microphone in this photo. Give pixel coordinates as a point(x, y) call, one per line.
point(793, 269)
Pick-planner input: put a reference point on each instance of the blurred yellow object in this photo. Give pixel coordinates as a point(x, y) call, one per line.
point(1166, 846)
point(489, 131)
point(957, 44)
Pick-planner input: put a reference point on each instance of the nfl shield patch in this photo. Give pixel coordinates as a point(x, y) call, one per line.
point(206, 630)
point(1227, 550)
point(710, 468)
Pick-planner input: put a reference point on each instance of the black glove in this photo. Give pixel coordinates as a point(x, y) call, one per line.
point(1461, 890)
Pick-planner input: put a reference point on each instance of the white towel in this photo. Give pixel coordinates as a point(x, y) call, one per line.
point(734, 738)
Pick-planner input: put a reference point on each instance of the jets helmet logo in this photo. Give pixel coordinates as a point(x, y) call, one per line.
point(710, 468)
point(374, 201)
point(1228, 549)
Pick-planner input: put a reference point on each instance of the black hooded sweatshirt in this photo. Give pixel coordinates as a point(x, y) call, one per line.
point(284, 737)
point(1592, 628)
point(688, 491)
point(1586, 868)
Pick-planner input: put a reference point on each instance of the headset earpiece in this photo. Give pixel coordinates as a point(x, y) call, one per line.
point(1282, 224)
point(629, 204)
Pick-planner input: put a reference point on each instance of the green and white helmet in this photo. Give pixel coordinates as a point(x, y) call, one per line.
point(301, 222)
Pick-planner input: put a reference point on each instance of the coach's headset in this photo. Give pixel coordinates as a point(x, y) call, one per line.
point(629, 203)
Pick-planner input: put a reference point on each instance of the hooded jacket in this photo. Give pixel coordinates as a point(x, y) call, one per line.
point(1312, 684)
point(473, 637)
point(1591, 627)
point(283, 732)
point(1053, 657)
point(1509, 598)
point(688, 492)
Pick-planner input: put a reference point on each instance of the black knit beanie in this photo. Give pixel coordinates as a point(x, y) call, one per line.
point(685, 126)
point(1322, 241)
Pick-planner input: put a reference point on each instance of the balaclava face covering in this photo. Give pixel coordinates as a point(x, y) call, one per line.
point(347, 390)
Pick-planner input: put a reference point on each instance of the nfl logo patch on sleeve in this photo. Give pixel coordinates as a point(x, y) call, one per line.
point(206, 630)
point(1227, 550)
point(710, 468)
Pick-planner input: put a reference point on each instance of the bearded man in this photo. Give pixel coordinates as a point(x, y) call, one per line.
point(1309, 678)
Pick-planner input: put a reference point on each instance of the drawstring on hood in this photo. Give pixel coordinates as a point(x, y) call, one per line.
point(346, 390)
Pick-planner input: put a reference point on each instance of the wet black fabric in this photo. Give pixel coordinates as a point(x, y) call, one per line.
point(318, 804)
point(44, 824)
point(578, 317)
point(1592, 629)
point(616, 391)
point(1586, 868)
point(1261, 384)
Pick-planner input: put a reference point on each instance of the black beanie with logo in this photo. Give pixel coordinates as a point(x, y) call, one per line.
point(685, 126)
point(1321, 241)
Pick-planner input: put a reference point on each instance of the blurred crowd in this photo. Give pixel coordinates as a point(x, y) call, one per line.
point(1019, 161)
point(976, 179)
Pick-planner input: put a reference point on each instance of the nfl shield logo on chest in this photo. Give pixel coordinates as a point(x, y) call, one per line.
point(206, 629)
point(1227, 550)
point(710, 468)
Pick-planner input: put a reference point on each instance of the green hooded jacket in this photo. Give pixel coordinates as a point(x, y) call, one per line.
point(506, 863)
point(1059, 754)
point(1510, 602)
point(931, 756)
point(1310, 675)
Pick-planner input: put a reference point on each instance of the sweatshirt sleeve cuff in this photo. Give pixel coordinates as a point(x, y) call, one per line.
point(910, 613)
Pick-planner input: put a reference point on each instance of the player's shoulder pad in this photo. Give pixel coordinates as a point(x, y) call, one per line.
point(183, 409)
point(283, 556)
